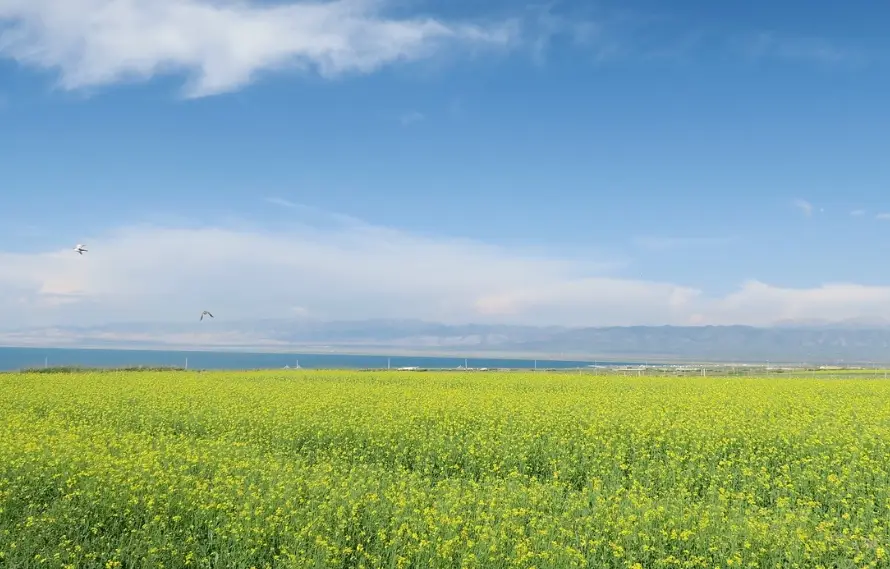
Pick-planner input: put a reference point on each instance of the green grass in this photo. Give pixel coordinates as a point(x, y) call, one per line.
point(385, 469)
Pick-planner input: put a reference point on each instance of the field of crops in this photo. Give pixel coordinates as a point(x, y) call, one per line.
point(347, 469)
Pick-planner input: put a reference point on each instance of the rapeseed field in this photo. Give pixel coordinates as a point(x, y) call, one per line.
point(303, 469)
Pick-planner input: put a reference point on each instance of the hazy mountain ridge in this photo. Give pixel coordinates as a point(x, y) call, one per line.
point(855, 341)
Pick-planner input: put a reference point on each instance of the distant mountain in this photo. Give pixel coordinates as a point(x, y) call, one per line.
point(787, 342)
point(856, 323)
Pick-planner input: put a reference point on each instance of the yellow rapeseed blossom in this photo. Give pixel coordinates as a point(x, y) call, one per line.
point(305, 469)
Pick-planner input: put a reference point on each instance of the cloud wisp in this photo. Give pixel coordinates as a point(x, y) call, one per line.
point(411, 117)
point(654, 243)
point(353, 271)
point(805, 207)
point(223, 45)
point(796, 49)
point(281, 202)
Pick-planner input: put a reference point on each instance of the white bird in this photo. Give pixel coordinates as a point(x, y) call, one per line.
point(80, 249)
point(207, 313)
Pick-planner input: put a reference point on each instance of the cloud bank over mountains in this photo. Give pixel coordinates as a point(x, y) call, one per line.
point(343, 269)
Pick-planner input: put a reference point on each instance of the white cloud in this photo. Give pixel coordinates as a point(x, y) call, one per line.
point(591, 301)
point(758, 301)
point(352, 270)
point(222, 44)
point(804, 206)
point(883, 216)
point(858, 212)
point(344, 270)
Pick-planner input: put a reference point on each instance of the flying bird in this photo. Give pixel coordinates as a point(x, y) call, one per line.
point(207, 313)
point(80, 249)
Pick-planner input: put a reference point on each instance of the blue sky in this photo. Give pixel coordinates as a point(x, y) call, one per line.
point(582, 163)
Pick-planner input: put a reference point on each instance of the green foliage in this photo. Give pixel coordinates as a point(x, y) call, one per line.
point(301, 469)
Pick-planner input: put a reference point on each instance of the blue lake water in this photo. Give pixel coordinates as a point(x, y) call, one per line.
point(20, 358)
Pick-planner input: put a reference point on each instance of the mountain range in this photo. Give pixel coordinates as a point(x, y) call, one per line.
point(855, 341)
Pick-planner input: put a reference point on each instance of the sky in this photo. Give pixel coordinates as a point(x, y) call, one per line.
point(573, 163)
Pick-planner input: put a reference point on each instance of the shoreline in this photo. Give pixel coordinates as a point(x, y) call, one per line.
point(344, 351)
